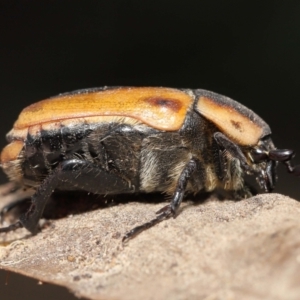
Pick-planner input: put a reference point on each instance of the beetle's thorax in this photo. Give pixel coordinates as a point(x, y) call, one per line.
point(210, 173)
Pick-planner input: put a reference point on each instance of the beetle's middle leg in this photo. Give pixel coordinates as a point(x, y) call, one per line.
point(171, 209)
point(72, 174)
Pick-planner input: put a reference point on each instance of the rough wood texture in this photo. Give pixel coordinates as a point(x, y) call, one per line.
point(214, 250)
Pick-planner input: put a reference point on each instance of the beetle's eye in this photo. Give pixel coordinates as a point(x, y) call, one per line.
point(281, 154)
point(259, 155)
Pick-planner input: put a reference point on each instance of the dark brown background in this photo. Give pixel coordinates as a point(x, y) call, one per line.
point(247, 52)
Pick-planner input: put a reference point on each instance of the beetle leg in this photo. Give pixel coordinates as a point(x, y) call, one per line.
point(230, 153)
point(245, 192)
point(226, 144)
point(10, 207)
point(171, 209)
point(71, 173)
point(15, 196)
point(181, 185)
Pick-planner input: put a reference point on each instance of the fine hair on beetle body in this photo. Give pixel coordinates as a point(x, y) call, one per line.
point(125, 140)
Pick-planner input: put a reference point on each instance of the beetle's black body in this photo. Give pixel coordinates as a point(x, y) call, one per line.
point(124, 155)
point(145, 159)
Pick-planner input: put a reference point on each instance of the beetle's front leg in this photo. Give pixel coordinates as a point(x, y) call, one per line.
point(226, 144)
point(171, 209)
point(231, 161)
point(73, 173)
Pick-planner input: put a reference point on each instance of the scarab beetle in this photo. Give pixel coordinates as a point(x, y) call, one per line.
point(129, 140)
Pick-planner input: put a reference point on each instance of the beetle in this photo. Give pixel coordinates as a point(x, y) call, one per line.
point(120, 140)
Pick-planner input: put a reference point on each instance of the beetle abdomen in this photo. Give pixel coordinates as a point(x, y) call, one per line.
point(112, 146)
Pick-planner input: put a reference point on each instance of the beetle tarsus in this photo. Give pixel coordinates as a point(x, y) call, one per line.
point(10, 206)
point(11, 227)
point(137, 230)
point(163, 209)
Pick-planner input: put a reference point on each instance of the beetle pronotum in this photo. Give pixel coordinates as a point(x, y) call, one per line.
point(129, 139)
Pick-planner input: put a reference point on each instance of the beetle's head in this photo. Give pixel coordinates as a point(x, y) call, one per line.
point(264, 158)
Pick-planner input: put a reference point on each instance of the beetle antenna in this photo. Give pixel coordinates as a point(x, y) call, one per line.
point(291, 169)
point(285, 156)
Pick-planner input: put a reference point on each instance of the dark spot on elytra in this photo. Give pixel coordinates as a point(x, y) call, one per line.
point(237, 125)
point(172, 104)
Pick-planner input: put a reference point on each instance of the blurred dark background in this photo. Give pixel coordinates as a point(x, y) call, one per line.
point(249, 52)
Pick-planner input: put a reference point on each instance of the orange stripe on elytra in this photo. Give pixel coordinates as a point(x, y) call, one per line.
point(161, 108)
